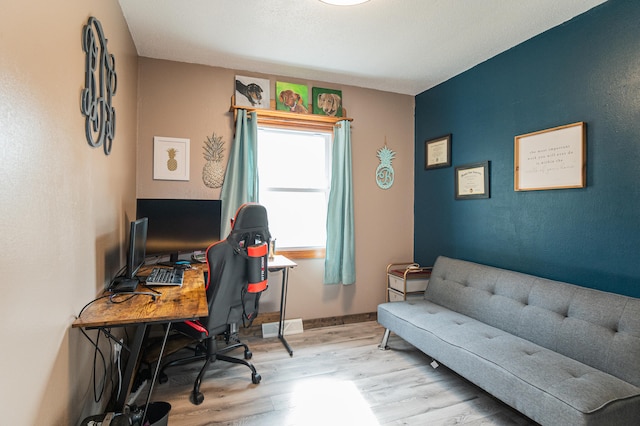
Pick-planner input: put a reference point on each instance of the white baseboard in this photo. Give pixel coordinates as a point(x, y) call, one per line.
point(291, 326)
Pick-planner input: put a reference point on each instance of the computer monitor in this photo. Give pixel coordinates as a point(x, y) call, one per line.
point(128, 281)
point(137, 246)
point(179, 225)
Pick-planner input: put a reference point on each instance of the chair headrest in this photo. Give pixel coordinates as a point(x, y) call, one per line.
point(250, 216)
point(250, 223)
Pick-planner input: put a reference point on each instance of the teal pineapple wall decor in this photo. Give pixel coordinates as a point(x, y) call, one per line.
point(384, 171)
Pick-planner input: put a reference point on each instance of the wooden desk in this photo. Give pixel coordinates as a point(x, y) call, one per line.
point(281, 263)
point(174, 304)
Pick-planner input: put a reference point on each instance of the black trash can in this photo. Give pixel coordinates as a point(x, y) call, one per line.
point(114, 419)
point(157, 414)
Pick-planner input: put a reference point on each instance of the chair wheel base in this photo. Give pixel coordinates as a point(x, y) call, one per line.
point(255, 378)
point(163, 378)
point(196, 398)
point(248, 354)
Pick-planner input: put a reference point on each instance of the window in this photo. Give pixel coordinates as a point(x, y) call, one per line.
point(294, 169)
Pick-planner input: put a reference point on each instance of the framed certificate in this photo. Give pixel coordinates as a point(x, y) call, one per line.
point(472, 181)
point(437, 152)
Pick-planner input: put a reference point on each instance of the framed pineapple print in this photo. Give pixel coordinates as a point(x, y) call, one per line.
point(170, 158)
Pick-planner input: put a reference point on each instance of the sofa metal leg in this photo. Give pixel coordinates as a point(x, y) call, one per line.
point(385, 339)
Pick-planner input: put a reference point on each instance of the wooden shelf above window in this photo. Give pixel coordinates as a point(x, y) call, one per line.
point(286, 119)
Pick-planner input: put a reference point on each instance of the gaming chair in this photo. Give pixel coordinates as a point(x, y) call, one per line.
point(237, 274)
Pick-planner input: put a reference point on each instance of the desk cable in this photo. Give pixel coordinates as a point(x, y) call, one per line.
point(113, 297)
point(97, 395)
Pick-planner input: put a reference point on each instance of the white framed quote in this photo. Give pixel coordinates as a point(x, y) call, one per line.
point(551, 159)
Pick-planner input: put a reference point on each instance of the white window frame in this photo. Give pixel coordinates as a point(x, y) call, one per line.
point(302, 251)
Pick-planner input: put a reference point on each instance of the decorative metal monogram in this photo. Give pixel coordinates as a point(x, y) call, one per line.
point(95, 102)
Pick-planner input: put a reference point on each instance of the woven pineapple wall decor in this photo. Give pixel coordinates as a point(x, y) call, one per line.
point(384, 171)
point(100, 83)
point(213, 171)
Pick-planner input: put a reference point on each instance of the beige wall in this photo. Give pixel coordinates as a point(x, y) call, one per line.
point(64, 204)
point(192, 101)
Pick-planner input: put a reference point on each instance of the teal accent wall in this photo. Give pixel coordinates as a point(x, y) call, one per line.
point(587, 69)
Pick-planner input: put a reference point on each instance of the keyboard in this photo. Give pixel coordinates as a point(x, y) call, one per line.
point(165, 276)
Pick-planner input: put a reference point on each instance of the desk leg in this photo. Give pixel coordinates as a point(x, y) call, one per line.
point(155, 373)
point(283, 307)
point(132, 363)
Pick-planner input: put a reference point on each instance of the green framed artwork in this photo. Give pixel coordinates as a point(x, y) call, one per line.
point(292, 97)
point(327, 101)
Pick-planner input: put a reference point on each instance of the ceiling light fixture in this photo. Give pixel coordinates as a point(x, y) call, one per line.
point(344, 2)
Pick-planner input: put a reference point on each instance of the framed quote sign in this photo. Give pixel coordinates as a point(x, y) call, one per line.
point(551, 159)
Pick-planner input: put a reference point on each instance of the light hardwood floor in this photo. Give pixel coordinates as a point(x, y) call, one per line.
point(337, 376)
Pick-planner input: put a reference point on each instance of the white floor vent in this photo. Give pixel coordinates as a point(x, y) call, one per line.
point(291, 326)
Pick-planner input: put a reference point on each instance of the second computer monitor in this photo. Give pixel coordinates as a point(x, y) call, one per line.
point(137, 246)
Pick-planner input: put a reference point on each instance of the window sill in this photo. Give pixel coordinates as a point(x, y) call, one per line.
point(312, 253)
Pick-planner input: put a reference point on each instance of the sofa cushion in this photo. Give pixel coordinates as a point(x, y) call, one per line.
point(535, 380)
point(596, 328)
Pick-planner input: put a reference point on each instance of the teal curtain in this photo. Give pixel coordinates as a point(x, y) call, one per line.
point(339, 265)
point(241, 177)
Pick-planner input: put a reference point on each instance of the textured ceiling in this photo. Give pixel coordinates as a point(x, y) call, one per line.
point(402, 46)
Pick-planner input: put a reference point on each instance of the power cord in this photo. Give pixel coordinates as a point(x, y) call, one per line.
point(113, 298)
point(116, 359)
point(97, 396)
point(98, 391)
point(93, 301)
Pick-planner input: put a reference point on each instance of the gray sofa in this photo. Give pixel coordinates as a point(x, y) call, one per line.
point(559, 353)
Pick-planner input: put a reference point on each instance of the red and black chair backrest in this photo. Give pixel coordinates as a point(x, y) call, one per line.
point(237, 270)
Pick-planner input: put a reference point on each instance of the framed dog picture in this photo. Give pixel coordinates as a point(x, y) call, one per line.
point(252, 92)
point(327, 101)
point(292, 97)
